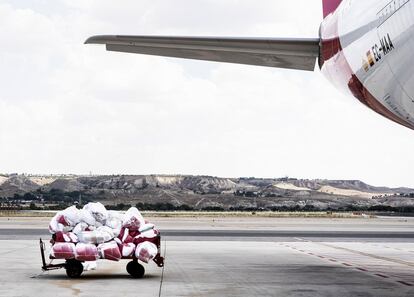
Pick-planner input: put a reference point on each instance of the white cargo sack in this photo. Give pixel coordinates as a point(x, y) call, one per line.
point(105, 229)
point(65, 237)
point(115, 214)
point(80, 228)
point(54, 225)
point(98, 211)
point(114, 221)
point(86, 252)
point(94, 237)
point(146, 251)
point(64, 220)
point(110, 251)
point(146, 227)
point(71, 215)
point(127, 249)
point(133, 219)
point(86, 217)
point(63, 250)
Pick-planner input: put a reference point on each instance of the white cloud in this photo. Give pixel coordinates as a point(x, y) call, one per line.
point(68, 107)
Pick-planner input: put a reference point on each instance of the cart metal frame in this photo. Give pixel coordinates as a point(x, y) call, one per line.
point(159, 260)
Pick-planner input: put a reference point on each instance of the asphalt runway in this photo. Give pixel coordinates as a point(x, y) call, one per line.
point(246, 235)
point(374, 261)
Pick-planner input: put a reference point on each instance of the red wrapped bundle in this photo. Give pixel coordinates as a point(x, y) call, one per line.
point(86, 252)
point(127, 249)
point(65, 237)
point(125, 235)
point(110, 251)
point(63, 250)
point(150, 236)
point(62, 220)
point(133, 219)
point(146, 251)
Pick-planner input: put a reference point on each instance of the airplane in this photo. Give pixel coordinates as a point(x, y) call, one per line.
point(364, 47)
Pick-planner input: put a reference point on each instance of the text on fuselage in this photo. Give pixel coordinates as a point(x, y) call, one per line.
point(378, 51)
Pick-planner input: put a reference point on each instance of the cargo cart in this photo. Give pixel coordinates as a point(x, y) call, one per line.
point(74, 268)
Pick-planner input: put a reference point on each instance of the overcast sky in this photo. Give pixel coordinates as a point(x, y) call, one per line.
point(66, 107)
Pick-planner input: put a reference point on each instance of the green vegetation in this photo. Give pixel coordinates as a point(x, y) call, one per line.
point(148, 206)
point(44, 200)
point(56, 199)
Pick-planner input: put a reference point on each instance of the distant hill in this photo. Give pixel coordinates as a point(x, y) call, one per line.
point(201, 192)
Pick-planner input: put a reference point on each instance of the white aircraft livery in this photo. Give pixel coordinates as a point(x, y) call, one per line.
point(365, 48)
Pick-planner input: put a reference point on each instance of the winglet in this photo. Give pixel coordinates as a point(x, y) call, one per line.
point(99, 39)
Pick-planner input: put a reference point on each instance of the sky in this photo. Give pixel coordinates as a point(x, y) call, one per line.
point(66, 107)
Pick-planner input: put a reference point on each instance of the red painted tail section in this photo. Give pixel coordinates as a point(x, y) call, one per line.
point(330, 6)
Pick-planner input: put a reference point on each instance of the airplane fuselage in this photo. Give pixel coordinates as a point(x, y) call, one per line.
point(367, 49)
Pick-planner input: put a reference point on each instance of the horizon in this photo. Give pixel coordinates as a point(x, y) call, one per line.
point(197, 175)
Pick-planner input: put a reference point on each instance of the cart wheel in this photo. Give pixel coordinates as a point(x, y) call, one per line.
point(135, 269)
point(73, 268)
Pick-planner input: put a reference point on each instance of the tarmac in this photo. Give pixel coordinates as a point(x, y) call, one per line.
point(232, 257)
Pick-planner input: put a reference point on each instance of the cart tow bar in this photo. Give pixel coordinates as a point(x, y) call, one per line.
point(47, 267)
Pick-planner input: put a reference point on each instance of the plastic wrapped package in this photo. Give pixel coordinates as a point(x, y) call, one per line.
point(105, 229)
point(127, 249)
point(146, 251)
point(86, 252)
point(133, 219)
point(80, 228)
point(54, 225)
point(63, 250)
point(150, 236)
point(146, 227)
point(71, 216)
point(124, 236)
point(65, 220)
point(86, 217)
point(98, 224)
point(65, 237)
point(114, 222)
point(59, 224)
point(134, 233)
point(116, 232)
point(98, 211)
point(95, 237)
point(115, 214)
point(110, 251)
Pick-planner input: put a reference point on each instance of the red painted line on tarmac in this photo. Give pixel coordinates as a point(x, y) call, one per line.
point(333, 260)
point(346, 264)
point(362, 269)
point(322, 257)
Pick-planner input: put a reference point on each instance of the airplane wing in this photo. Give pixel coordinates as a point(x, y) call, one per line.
point(287, 53)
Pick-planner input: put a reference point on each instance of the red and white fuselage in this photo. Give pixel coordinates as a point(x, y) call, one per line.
point(367, 49)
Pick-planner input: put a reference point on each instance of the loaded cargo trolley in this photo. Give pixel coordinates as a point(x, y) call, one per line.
point(74, 268)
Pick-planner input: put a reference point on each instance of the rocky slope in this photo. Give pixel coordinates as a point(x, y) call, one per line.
point(207, 191)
